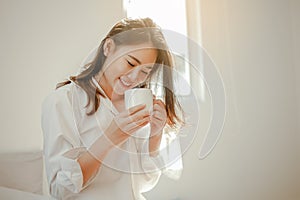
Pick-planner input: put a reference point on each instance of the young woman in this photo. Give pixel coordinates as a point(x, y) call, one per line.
point(90, 144)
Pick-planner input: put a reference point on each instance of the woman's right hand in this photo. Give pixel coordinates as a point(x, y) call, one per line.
point(127, 123)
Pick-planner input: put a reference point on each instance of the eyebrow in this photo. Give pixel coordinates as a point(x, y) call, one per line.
point(134, 58)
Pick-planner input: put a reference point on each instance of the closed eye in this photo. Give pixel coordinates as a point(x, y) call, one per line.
point(132, 65)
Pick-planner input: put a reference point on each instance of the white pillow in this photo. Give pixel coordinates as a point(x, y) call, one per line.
point(22, 171)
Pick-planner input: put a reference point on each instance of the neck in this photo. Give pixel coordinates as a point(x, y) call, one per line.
point(115, 98)
point(102, 82)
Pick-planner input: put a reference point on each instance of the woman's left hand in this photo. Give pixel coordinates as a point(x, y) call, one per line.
point(158, 117)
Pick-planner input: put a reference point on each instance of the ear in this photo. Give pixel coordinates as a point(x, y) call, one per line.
point(108, 47)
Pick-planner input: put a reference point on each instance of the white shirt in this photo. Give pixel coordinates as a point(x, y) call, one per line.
point(68, 132)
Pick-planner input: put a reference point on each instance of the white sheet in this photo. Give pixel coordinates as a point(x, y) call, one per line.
point(22, 171)
point(12, 194)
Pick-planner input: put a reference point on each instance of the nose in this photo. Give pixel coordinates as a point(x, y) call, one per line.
point(133, 74)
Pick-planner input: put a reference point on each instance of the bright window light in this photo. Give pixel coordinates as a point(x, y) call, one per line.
point(169, 15)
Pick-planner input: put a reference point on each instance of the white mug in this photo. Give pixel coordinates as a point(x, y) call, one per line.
point(136, 96)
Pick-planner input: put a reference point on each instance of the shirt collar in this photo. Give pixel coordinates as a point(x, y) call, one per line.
point(106, 101)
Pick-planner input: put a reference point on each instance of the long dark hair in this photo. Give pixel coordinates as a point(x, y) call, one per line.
point(129, 32)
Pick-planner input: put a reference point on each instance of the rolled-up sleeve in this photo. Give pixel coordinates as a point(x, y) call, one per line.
point(169, 158)
point(62, 145)
point(167, 162)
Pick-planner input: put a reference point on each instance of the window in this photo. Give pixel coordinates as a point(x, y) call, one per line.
point(170, 15)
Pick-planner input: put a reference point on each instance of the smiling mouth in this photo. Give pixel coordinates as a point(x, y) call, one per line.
point(125, 83)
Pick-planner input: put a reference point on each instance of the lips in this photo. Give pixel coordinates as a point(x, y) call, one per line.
point(125, 83)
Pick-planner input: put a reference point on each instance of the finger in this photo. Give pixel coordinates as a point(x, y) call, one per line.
point(159, 106)
point(159, 102)
point(138, 115)
point(159, 116)
point(137, 108)
point(132, 110)
point(159, 109)
point(131, 120)
point(134, 126)
point(134, 130)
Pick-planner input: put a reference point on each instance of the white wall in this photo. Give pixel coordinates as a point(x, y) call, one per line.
point(258, 156)
point(295, 7)
point(43, 42)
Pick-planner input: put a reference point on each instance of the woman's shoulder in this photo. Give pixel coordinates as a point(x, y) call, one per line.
point(64, 95)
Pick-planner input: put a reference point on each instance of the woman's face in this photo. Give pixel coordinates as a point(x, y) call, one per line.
point(126, 66)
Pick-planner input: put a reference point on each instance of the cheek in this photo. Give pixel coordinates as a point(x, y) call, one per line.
point(114, 71)
point(143, 77)
point(120, 68)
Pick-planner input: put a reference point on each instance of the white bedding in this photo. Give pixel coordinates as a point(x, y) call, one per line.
point(13, 194)
point(21, 175)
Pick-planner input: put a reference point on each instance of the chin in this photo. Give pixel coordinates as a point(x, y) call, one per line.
point(119, 91)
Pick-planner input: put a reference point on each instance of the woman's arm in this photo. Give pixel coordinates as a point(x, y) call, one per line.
point(158, 122)
point(154, 144)
point(120, 129)
point(90, 164)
